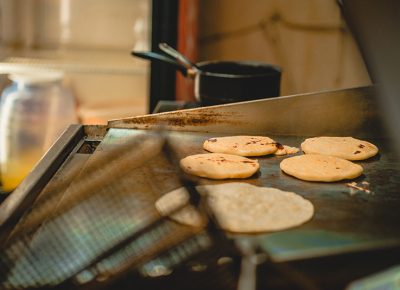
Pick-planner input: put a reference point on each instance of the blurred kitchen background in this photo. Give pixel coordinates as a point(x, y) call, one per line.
point(90, 42)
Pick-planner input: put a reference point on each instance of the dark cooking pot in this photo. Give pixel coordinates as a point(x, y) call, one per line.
point(220, 82)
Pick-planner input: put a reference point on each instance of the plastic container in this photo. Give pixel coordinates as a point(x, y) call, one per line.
point(34, 110)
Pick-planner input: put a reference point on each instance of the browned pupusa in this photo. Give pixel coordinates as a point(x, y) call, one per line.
point(343, 147)
point(241, 145)
point(317, 167)
point(219, 166)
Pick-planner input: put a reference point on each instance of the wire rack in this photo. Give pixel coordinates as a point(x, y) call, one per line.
point(100, 224)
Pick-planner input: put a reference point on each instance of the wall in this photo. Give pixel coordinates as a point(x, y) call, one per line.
point(90, 40)
point(307, 38)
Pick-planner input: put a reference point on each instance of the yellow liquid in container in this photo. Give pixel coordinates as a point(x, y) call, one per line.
point(16, 169)
point(34, 110)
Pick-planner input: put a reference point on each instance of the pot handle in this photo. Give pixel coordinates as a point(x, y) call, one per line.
point(153, 56)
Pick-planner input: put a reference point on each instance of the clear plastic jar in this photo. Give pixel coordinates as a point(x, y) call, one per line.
point(34, 110)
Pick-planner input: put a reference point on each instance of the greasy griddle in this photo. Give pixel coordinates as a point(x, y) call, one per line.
point(342, 222)
point(345, 219)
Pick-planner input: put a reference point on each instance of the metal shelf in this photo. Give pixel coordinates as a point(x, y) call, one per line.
point(72, 61)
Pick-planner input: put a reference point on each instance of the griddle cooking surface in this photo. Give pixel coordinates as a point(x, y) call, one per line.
point(345, 219)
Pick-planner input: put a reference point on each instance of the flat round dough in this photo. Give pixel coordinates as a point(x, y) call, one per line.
point(219, 166)
point(187, 215)
point(241, 145)
point(316, 167)
point(245, 208)
point(343, 147)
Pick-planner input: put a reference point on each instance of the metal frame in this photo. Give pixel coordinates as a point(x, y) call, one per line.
point(16, 203)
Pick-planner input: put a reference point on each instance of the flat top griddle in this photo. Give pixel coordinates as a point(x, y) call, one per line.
point(345, 219)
